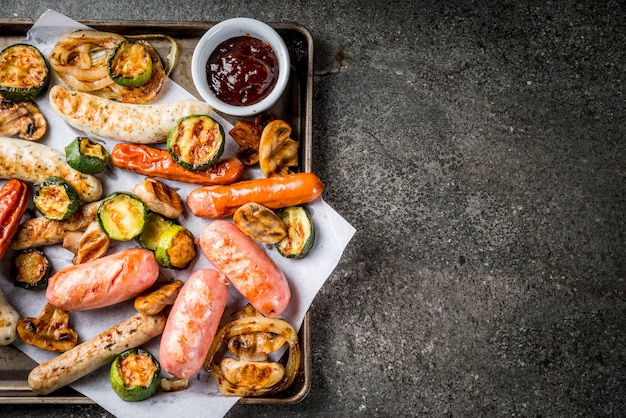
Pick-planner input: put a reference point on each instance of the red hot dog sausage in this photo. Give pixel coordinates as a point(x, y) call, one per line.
point(246, 266)
point(103, 282)
point(193, 322)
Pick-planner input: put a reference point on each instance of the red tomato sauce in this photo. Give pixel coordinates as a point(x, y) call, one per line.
point(242, 70)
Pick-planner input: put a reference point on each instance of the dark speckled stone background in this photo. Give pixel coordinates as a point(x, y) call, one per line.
point(478, 148)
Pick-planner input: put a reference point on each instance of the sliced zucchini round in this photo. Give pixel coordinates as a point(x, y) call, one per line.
point(87, 156)
point(177, 248)
point(24, 73)
point(31, 269)
point(196, 142)
point(122, 216)
point(135, 375)
point(56, 198)
point(300, 232)
point(156, 224)
point(129, 64)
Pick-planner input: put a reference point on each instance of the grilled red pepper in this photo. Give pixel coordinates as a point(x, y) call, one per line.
point(14, 197)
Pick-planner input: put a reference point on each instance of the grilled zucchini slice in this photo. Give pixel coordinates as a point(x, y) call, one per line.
point(130, 64)
point(24, 73)
point(122, 216)
point(196, 142)
point(177, 248)
point(156, 224)
point(56, 198)
point(87, 156)
point(135, 375)
point(300, 232)
point(31, 269)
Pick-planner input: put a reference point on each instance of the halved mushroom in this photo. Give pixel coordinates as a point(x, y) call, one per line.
point(50, 331)
point(259, 223)
point(23, 119)
point(89, 245)
point(156, 300)
point(277, 151)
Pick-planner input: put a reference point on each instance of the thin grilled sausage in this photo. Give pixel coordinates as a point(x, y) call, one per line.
point(89, 356)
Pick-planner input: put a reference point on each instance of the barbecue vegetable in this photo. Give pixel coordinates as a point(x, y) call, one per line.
point(253, 375)
point(129, 64)
point(8, 321)
point(259, 223)
point(89, 245)
point(56, 198)
point(24, 73)
point(135, 375)
point(156, 224)
point(86, 156)
point(49, 331)
point(277, 151)
point(31, 269)
point(150, 161)
point(39, 231)
point(122, 216)
point(159, 198)
point(80, 61)
point(196, 142)
point(34, 162)
point(154, 302)
point(13, 201)
point(274, 192)
point(300, 232)
point(176, 248)
point(95, 353)
point(23, 119)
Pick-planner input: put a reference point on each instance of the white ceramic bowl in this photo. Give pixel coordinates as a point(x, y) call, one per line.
point(223, 31)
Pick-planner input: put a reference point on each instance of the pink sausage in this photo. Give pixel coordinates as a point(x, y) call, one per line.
point(192, 323)
point(246, 266)
point(103, 282)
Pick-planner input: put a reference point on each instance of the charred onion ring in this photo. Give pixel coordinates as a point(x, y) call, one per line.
point(246, 326)
point(79, 60)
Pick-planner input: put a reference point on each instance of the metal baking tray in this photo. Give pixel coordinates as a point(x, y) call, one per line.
point(295, 106)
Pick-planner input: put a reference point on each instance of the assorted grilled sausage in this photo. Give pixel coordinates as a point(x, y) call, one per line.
point(186, 314)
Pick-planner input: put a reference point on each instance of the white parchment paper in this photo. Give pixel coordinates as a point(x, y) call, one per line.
point(306, 276)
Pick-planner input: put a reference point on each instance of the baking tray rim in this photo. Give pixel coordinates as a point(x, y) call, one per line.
point(20, 26)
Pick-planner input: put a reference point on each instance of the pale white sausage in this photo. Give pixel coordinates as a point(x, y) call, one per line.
point(136, 123)
point(34, 162)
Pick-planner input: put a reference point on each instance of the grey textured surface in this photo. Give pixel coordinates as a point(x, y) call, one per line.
point(478, 148)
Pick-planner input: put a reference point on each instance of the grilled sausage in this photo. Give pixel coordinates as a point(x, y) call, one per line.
point(246, 266)
point(104, 281)
point(89, 356)
point(141, 124)
point(34, 162)
point(193, 322)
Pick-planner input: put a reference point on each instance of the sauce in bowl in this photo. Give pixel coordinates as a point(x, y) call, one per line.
point(242, 70)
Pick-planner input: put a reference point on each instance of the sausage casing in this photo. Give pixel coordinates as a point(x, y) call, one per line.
point(90, 355)
point(103, 282)
point(247, 267)
point(137, 123)
point(192, 323)
point(34, 162)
